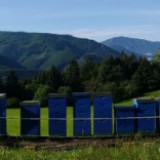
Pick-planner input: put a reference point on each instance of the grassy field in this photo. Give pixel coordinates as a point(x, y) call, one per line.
point(140, 150)
point(129, 102)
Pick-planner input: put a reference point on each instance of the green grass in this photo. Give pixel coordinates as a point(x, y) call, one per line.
point(128, 102)
point(153, 94)
point(140, 150)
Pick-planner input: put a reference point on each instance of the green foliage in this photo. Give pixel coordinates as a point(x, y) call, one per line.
point(124, 76)
point(13, 87)
point(105, 69)
point(13, 102)
point(31, 87)
point(156, 57)
point(143, 77)
point(42, 94)
point(72, 76)
point(54, 78)
point(88, 70)
point(65, 89)
point(94, 85)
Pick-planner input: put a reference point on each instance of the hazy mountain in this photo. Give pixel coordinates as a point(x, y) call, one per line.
point(139, 47)
point(42, 50)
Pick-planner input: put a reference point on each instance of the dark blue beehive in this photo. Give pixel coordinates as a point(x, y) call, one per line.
point(157, 101)
point(146, 107)
point(57, 113)
point(125, 121)
point(2, 114)
point(82, 114)
point(103, 113)
point(30, 118)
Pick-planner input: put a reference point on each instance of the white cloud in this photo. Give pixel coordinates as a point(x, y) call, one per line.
point(145, 31)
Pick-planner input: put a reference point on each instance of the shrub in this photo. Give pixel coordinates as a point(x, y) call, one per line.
point(65, 89)
point(13, 102)
point(42, 94)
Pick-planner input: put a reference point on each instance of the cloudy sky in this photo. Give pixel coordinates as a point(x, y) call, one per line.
point(93, 19)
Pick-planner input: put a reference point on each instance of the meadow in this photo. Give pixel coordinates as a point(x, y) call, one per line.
point(139, 150)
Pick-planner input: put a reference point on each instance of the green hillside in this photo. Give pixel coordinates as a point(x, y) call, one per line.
point(6, 63)
point(42, 50)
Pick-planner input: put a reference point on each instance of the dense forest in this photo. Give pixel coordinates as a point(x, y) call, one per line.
point(124, 76)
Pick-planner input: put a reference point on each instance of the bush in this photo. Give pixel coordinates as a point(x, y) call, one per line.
point(13, 102)
point(42, 94)
point(65, 89)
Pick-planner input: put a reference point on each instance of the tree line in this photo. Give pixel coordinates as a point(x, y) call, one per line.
point(124, 76)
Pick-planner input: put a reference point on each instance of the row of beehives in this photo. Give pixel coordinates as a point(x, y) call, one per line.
point(143, 116)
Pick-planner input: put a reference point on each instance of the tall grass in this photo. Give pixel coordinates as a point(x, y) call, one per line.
point(128, 151)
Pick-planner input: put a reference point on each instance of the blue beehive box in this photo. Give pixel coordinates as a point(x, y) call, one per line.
point(2, 114)
point(146, 113)
point(125, 122)
point(30, 118)
point(157, 101)
point(57, 104)
point(82, 114)
point(102, 113)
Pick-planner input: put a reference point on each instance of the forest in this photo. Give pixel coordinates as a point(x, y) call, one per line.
point(123, 76)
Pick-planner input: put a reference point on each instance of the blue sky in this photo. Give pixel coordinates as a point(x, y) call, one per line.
point(93, 19)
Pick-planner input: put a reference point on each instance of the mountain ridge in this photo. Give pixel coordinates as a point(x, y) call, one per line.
point(42, 50)
point(139, 47)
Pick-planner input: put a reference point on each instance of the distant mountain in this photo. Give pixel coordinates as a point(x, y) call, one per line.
point(139, 47)
point(42, 50)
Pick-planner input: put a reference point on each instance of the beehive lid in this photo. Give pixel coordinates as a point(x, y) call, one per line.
point(157, 98)
point(30, 103)
point(125, 107)
point(57, 95)
point(97, 94)
point(144, 100)
point(81, 94)
point(2, 95)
